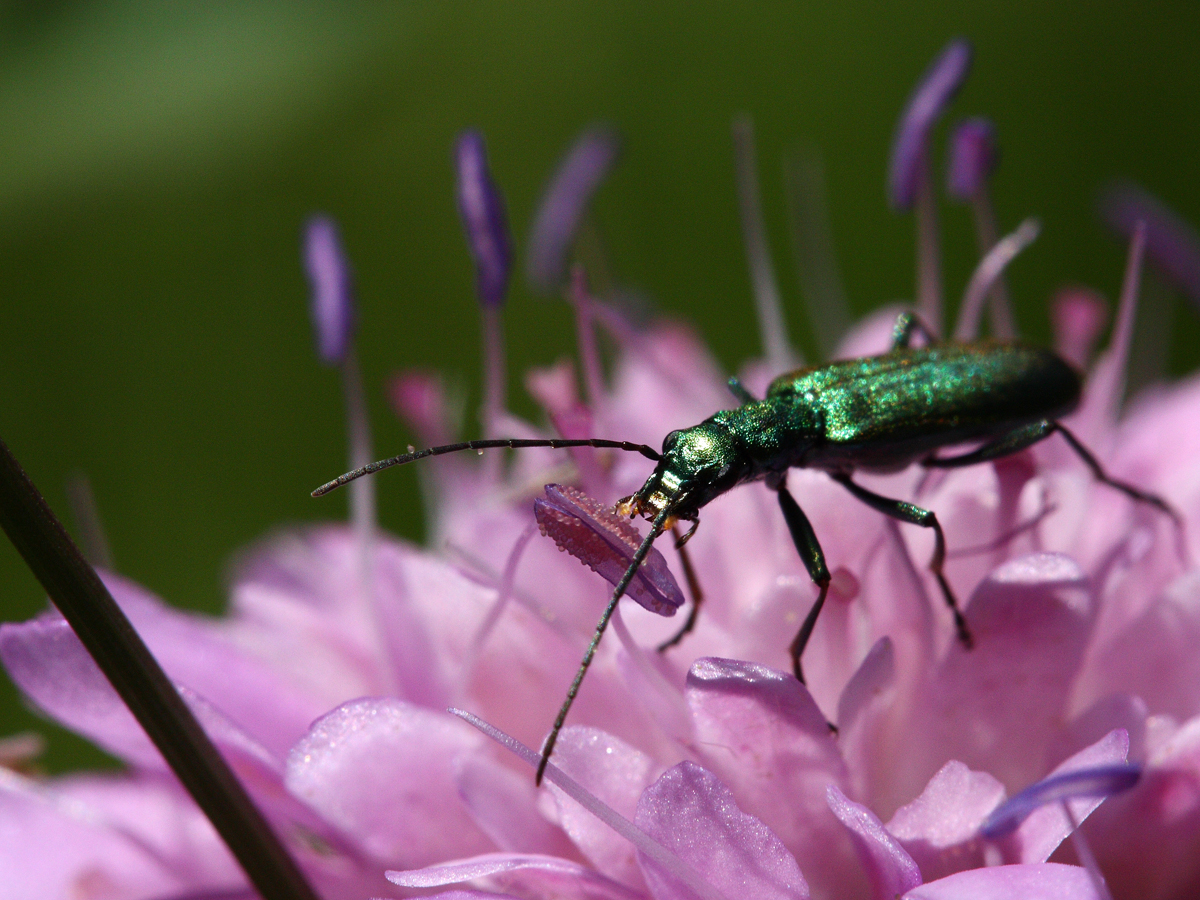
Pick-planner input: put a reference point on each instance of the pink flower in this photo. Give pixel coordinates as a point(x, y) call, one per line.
point(707, 770)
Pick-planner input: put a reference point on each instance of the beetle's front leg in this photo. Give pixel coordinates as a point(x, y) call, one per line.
point(693, 583)
point(907, 324)
point(915, 515)
point(809, 549)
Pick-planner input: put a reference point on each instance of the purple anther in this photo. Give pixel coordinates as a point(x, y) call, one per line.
point(934, 91)
point(605, 542)
point(973, 158)
point(1171, 242)
point(564, 204)
point(332, 304)
point(1101, 781)
point(484, 219)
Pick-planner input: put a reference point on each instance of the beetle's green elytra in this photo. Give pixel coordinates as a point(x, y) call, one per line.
point(874, 414)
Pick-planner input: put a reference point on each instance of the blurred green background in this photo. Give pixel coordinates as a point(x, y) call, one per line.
point(157, 162)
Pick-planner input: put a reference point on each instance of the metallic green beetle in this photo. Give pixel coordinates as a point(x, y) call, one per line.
point(875, 414)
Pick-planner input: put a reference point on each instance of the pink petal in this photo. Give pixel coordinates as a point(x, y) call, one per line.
point(1146, 839)
point(617, 774)
point(528, 874)
point(51, 667)
point(1031, 621)
point(46, 661)
point(383, 771)
point(1045, 881)
point(504, 804)
point(111, 835)
point(689, 811)
point(891, 870)
point(298, 604)
point(865, 712)
point(940, 828)
point(1154, 656)
point(760, 731)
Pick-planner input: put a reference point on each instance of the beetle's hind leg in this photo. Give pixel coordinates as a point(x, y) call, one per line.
point(915, 515)
point(1028, 435)
point(1005, 445)
point(1129, 490)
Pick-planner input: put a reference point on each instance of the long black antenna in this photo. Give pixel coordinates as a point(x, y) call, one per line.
point(509, 443)
point(660, 522)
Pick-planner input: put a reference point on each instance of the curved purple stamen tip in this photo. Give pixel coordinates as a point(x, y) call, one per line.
point(484, 220)
point(605, 542)
point(564, 203)
point(973, 158)
point(1171, 242)
point(933, 92)
point(1101, 781)
point(332, 303)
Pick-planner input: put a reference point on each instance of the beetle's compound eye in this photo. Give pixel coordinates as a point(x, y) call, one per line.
point(670, 441)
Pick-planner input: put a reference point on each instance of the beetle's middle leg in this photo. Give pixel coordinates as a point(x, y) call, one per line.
point(810, 552)
point(915, 515)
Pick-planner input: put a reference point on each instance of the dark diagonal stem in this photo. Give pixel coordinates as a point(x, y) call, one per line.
point(76, 589)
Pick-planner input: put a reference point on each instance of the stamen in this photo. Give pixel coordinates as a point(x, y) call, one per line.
point(332, 303)
point(1171, 243)
point(1101, 781)
point(504, 593)
point(772, 326)
point(484, 220)
point(909, 184)
point(589, 352)
point(1107, 382)
point(663, 699)
point(602, 811)
point(973, 158)
point(1086, 857)
point(333, 314)
point(420, 400)
point(988, 273)
point(813, 248)
point(1077, 315)
point(87, 521)
point(564, 205)
point(606, 542)
point(486, 225)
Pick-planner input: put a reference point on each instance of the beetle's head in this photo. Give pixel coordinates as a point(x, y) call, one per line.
point(697, 465)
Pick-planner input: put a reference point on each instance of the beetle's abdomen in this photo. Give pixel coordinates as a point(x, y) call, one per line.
point(890, 410)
